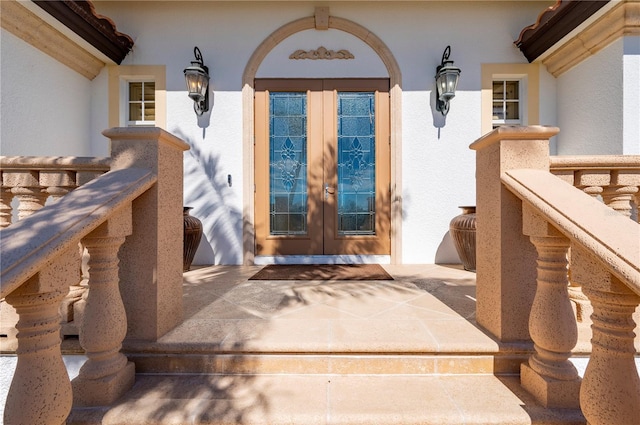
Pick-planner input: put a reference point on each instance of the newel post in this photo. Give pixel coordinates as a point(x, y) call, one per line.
point(151, 258)
point(506, 259)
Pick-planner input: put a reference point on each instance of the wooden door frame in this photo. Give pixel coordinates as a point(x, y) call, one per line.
point(322, 236)
point(380, 243)
point(313, 240)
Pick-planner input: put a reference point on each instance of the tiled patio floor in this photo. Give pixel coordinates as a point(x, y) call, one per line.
point(426, 308)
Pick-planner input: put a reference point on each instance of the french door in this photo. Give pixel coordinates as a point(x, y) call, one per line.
point(322, 167)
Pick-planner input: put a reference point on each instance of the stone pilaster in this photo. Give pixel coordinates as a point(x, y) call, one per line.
point(151, 278)
point(506, 259)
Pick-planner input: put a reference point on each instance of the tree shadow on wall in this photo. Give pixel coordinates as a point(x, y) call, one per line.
point(214, 202)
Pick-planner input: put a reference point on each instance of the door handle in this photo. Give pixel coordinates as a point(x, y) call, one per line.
point(328, 190)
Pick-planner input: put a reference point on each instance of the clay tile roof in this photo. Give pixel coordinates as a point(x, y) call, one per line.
point(97, 30)
point(554, 23)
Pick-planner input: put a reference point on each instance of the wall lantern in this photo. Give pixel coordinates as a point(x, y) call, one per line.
point(446, 82)
point(197, 77)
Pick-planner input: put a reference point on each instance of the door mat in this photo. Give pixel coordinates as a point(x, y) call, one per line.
point(322, 272)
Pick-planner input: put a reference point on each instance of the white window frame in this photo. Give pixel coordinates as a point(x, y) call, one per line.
point(522, 100)
point(124, 118)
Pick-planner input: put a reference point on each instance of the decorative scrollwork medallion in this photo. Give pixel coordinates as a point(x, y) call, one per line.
point(322, 53)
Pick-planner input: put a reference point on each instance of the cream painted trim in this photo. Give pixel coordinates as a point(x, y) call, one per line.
point(25, 25)
point(395, 93)
point(491, 71)
point(622, 20)
point(117, 74)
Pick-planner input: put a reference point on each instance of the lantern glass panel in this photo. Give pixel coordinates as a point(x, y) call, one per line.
point(196, 83)
point(452, 82)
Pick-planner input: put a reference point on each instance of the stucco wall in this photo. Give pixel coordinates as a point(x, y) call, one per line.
point(590, 105)
point(438, 169)
point(45, 107)
point(631, 93)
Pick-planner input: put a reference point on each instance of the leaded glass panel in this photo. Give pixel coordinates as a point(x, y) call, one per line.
point(288, 163)
point(356, 163)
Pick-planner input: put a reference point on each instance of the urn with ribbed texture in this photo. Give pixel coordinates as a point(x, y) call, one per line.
point(192, 236)
point(463, 232)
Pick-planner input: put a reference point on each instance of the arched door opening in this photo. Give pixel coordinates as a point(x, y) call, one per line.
point(253, 94)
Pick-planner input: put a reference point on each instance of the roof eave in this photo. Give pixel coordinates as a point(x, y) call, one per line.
point(553, 24)
point(97, 30)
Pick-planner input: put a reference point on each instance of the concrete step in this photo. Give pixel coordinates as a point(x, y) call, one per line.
point(319, 363)
point(325, 399)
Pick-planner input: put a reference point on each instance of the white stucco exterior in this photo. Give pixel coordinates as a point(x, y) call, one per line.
point(631, 96)
point(437, 166)
point(45, 107)
point(593, 103)
point(590, 105)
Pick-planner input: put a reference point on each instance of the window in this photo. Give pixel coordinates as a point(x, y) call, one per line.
point(507, 107)
point(510, 95)
point(141, 103)
point(137, 96)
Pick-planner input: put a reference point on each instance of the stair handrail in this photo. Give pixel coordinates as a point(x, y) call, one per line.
point(25, 252)
point(584, 220)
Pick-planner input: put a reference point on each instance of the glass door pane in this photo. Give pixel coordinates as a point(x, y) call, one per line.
point(356, 163)
point(288, 163)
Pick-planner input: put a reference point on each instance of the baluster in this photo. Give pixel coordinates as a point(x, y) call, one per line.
point(6, 210)
point(594, 191)
point(591, 182)
point(67, 307)
point(25, 185)
point(31, 200)
point(7, 313)
point(40, 391)
point(549, 375)
point(107, 374)
point(58, 182)
point(610, 392)
point(623, 195)
point(620, 198)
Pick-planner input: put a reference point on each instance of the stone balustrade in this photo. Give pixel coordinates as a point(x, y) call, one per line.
point(110, 216)
point(552, 217)
point(614, 178)
point(33, 180)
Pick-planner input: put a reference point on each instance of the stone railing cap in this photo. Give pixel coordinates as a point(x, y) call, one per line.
point(148, 133)
point(532, 132)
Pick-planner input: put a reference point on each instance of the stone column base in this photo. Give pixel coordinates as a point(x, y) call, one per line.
point(103, 391)
point(550, 392)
